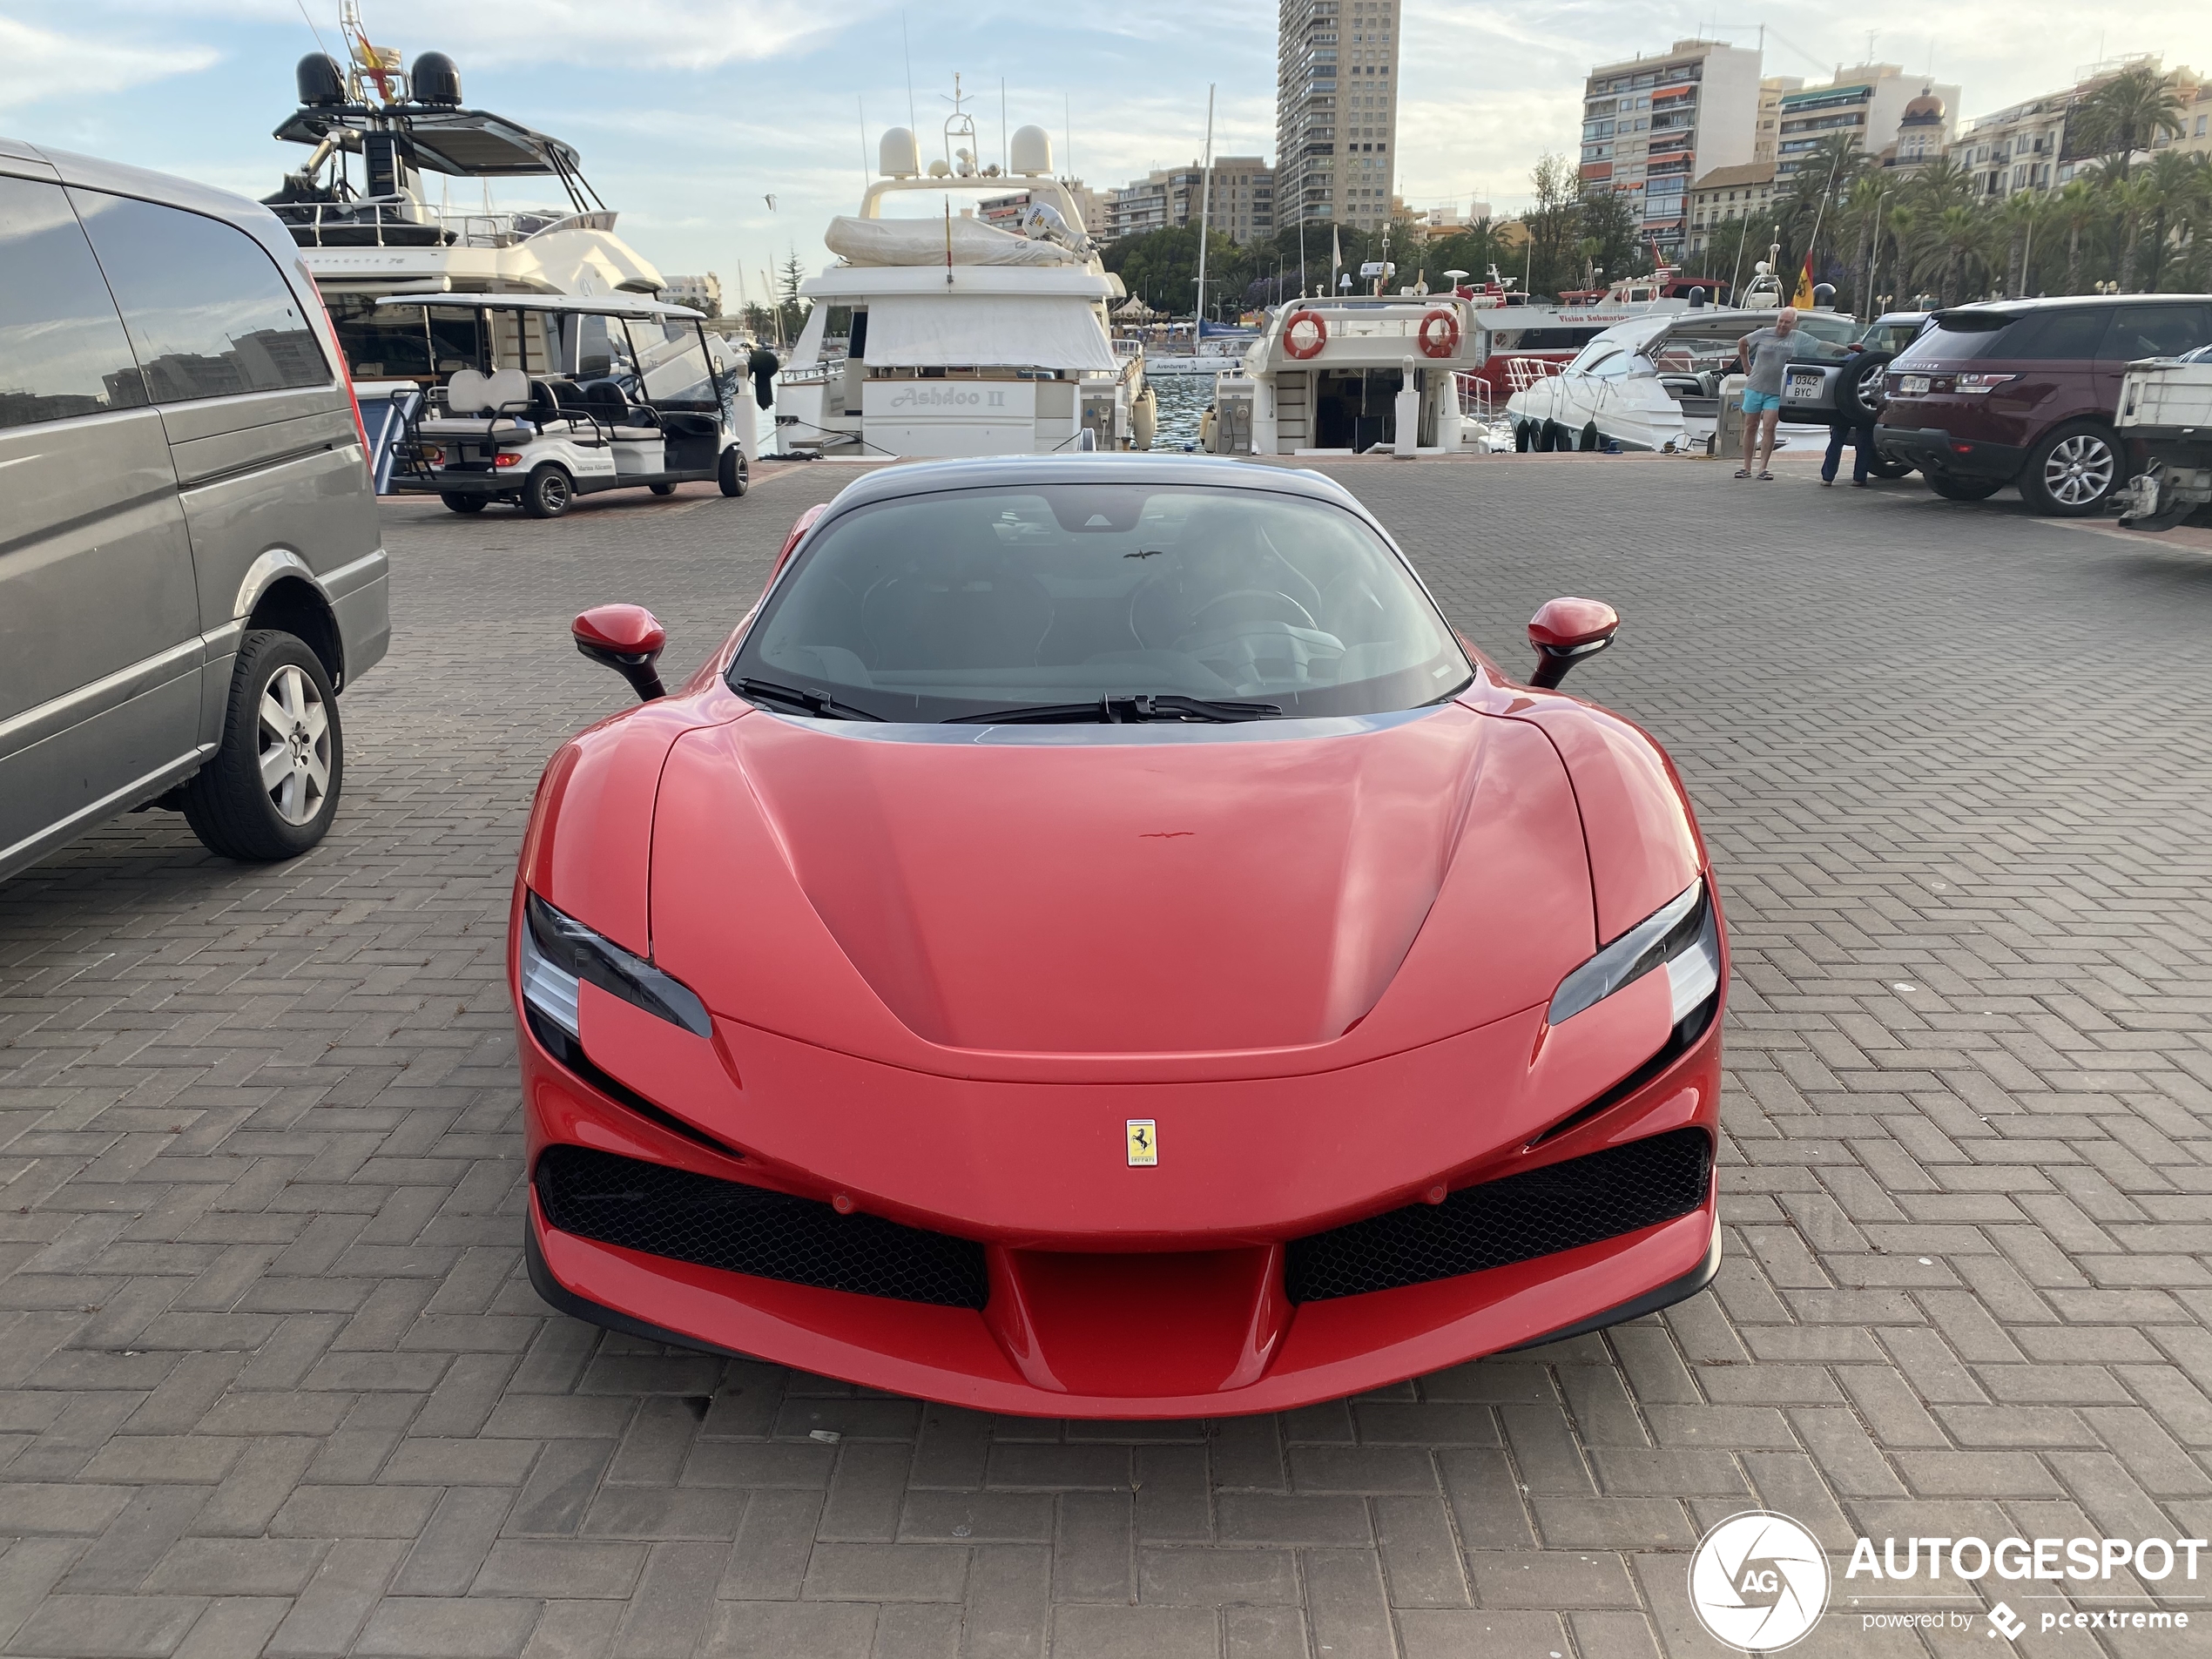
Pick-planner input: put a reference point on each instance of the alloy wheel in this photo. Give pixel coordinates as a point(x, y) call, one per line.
point(295, 745)
point(2079, 469)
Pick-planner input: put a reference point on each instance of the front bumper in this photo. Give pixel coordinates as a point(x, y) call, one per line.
point(1934, 449)
point(1162, 1326)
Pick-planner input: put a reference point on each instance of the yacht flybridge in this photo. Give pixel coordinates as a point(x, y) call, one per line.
point(966, 316)
point(368, 224)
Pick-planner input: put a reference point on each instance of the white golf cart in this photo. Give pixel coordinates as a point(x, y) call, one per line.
point(548, 396)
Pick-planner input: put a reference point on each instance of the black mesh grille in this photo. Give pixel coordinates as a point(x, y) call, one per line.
point(696, 1218)
point(1515, 1219)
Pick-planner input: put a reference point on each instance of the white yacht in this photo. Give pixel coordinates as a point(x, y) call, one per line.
point(966, 316)
point(368, 224)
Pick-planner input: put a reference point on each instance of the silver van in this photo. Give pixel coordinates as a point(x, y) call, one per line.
point(191, 568)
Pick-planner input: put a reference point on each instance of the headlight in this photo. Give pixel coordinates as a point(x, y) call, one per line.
point(559, 953)
point(1683, 936)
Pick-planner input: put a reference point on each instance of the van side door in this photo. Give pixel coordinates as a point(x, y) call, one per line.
point(100, 618)
point(260, 422)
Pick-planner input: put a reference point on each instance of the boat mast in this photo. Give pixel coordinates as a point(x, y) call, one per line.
point(1205, 200)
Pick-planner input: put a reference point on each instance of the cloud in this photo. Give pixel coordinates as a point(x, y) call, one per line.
point(45, 64)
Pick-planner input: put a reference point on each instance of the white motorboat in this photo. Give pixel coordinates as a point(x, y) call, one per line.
point(1656, 382)
point(383, 234)
point(939, 332)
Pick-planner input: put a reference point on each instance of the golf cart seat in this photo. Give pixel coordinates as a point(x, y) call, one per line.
point(482, 406)
point(628, 421)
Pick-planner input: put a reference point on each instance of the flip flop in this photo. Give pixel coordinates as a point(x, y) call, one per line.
point(1766, 477)
point(1743, 472)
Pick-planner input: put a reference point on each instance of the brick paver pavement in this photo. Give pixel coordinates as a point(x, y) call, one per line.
point(271, 1380)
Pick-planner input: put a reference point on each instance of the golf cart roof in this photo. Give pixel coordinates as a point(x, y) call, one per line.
point(599, 304)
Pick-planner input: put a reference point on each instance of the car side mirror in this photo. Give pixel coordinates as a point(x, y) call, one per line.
point(627, 639)
point(1565, 631)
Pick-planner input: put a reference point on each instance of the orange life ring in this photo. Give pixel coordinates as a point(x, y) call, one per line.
point(1444, 345)
point(1299, 319)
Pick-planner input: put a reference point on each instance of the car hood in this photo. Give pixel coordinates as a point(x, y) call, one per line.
point(1129, 890)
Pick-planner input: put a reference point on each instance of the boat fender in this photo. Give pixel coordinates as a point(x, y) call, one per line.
point(1522, 443)
point(1589, 436)
point(1440, 334)
point(1305, 326)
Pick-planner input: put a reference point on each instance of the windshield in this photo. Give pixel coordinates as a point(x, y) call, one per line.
point(948, 606)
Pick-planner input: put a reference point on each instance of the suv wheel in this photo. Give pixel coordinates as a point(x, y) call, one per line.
point(272, 789)
point(547, 492)
point(2073, 473)
point(1963, 488)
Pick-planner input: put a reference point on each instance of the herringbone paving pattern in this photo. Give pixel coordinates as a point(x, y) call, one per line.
point(271, 1378)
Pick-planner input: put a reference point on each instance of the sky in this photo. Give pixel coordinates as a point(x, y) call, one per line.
point(691, 114)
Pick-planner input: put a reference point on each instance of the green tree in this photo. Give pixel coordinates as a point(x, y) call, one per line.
point(1161, 267)
point(2076, 207)
point(2125, 114)
point(792, 306)
point(1554, 225)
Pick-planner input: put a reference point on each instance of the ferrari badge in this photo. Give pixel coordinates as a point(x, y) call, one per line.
point(1143, 1143)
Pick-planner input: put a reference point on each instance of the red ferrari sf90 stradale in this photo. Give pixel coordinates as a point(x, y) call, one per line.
point(1095, 942)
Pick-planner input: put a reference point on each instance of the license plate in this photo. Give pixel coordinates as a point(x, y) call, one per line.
point(1912, 386)
point(1804, 386)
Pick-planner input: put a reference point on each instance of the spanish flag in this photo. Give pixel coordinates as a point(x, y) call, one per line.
point(1803, 299)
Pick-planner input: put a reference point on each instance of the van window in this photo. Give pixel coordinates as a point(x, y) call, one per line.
point(63, 351)
point(2067, 335)
point(209, 313)
point(2157, 331)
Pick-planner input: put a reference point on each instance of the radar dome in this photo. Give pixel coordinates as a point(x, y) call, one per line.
point(435, 80)
point(896, 155)
point(1031, 152)
point(320, 84)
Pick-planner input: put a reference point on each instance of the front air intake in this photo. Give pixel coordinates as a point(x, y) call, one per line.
point(1578, 1201)
point(709, 1222)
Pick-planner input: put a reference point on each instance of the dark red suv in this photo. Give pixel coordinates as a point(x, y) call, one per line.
point(2022, 392)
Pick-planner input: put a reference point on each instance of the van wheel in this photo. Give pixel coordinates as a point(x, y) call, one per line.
point(272, 789)
point(1963, 488)
point(732, 473)
point(547, 492)
point(2073, 473)
point(464, 503)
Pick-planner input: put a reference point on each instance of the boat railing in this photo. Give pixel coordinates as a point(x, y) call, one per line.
point(1474, 394)
point(401, 221)
point(1521, 373)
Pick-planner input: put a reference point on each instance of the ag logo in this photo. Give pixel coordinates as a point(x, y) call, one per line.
point(1758, 1581)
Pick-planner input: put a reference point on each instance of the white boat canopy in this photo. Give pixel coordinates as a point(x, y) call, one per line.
point(986, 330)
point(929, 241)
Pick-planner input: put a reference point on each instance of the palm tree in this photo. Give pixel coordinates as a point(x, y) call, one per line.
point(1859, 218)
point(2174, 181)
point(1952, 241)
point(2126, 114)
point(2016, 221)
point(1902, 224)
point(2074, 209)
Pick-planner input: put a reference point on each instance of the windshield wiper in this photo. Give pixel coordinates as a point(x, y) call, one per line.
point(1111, 709)
point(820, 705)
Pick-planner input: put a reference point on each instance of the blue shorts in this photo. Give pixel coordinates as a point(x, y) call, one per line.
point(1760, 402)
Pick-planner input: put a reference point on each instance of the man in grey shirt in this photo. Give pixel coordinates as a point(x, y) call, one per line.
point(1764, 354)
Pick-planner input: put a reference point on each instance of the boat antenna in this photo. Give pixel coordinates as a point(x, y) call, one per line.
point(311, 30)
point(907, 46)
point(1006, 151)
point(862, 105)
point(1068, 134)
point(1205, 200)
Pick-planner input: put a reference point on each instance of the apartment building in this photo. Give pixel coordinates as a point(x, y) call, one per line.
point(1005, 212)
point(1243, 206)
point(1652, 124)
point(1336, 110)
point(702, 292)
point(1868, 103)
point(1763, 136)
point(2025, 147)
point(1748, 191)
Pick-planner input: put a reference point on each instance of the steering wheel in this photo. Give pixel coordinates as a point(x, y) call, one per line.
point(1299, 615)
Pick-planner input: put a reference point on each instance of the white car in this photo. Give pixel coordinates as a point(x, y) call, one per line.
point(548, 397)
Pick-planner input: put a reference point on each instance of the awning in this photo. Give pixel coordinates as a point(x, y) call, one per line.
point(986, 330)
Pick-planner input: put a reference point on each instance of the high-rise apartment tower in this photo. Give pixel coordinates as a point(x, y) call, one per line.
point(1336, 110)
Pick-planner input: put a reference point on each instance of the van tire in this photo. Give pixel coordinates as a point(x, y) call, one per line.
point(228, 802)
point(548, 492)
point(463, 503)
point(732, 473)
point(2085, 463)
